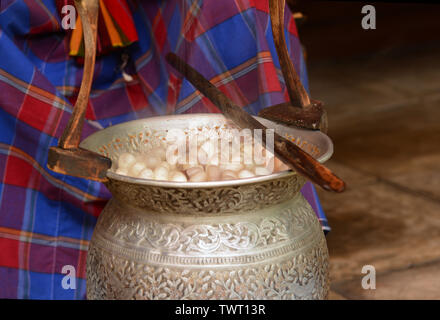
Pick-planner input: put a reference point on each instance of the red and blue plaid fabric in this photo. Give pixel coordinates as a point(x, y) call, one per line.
point(47, 219)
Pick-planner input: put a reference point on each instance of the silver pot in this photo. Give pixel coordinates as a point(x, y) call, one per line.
point(255, 238)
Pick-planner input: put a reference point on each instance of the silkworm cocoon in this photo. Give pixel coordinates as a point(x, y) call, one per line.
point(268, 153)
point(187, 161)
point(232, 166)
point(182, 159)
point(201, 138)
point(214, 172)
point(186, 166)
point(261, 160)
point(176, 154)
point(260, 157)
point(229, 175)
point(161, 173)
point(159, 152)
point(270, 164)
point(214, 160)
point(250, 166)
point(122, 171)
point(248, 153)
point(279, 165)
point(178, 176)
point(194, 170)
point(235, 154)
point(202, 156)
point(209, 147)
point(199, 177)
point(166, 165)
point(225, 156)
point(261, 171)
point(126, 160)
point(207, 160)
point(146, 174)
point(152, 161)
point(136, 168)
point(245, 174)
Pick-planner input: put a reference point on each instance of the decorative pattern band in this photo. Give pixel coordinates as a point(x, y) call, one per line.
point(207, 261)
point(207, 201)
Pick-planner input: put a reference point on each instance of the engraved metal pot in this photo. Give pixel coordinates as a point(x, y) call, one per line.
point(255, 238)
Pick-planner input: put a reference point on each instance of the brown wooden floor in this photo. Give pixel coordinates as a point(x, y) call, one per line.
point(384, 119)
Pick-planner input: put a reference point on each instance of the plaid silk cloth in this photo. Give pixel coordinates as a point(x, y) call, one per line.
point(47, 219)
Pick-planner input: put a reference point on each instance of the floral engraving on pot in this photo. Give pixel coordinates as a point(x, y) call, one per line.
point(303, 276)
point(192, 201)
point(206, 238)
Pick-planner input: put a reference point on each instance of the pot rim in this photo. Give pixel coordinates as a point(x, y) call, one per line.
point(208, 184)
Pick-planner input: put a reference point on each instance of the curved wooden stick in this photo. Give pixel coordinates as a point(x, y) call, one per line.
point(68, 158)
point(88, 12)
point(297, 94)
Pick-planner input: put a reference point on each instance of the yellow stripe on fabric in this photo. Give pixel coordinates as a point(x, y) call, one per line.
point(69, 90)
point(36, 92)
point(20, 234)
point(111, 29)
point(262, 57)
point(57, 182)
point(76, 38)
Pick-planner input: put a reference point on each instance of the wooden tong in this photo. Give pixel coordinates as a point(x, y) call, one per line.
point(300, 111)
point(285, 150)
point(68, 158)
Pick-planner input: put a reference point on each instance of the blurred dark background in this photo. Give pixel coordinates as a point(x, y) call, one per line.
point(332, 29)
point(381, 89)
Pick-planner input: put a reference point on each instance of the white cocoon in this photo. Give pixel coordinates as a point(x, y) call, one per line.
point(161, 173)
point(152, 161)
point(202, 156)
point(245, 174)
point(232, 166)
point(146, 174)
point(199, 177)
point(122, 171)
point(126, 160)
point(214, 173)
point(137, 168)
point(194, 170)
point(229, 175)
point(261, 171)
point(159, 152)
point(178, 176)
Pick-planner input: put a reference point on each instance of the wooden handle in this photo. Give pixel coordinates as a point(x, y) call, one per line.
point(297, 94)
point(288, 152)
point(68, 158)
point(88, 13)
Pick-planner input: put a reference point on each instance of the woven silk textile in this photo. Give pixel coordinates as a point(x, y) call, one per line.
point(47, 219)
